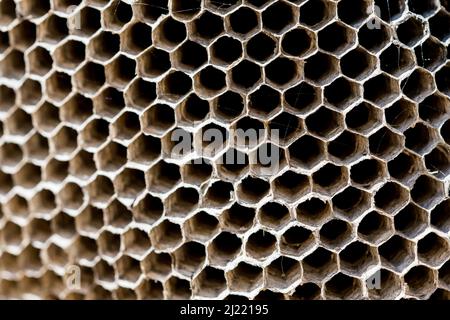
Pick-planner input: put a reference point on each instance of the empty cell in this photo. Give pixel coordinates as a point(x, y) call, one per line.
point(434, 109)
point(420, 138)
point(209, 283)
point(335, 234)
point(120, 71)
point(390, 10)
point(157, 266)
point(397, 253)
point(385, 143)
point(53, 29)
point(82, 165)
point(210, 81)
point(319, 265)
point(201, 227)
point(306, 291)
point(13, 65)
point(31, 91)
point(76, 110)
point(353, 12)
point(290, 186)
point(69, 55)
point(238, 218)
point(148, 210)
point(136, 243)
point(391, 197)
point(363, 117)
point(313, 211)
point(306, 152)
point(287, 127)
point(144, 150)
point(186, 9)
point(125, 127)
point(351, 203)
point(182, 202)
point(197, 172)
point(207, 27)
point(7, 12)
point(166, 236)
point(264, 101)
point(336, 38)
point(433, 250)
point(158, 119)
point(87, 22)
point(100, 191)
point(418, 85)
point(396, 60)
point(401, 115)
point(104, 272)
point(63, 225)
point(375, 227)
point(19, 123)
point(424, 8)
point(71, 197)
point(16, 207)
point(283, 273)
point(128, 269)
point(324, 122)
point(150, 10)
point(11, 154)
point(437, 162)
point(279, 17)
point(296, 241)
point(226, 50)
point(411, 31)
point(358, 257)
point(90, 78)
point(194, 109)
point(243, 21)
point(282, 72)
point(23, 35)
point(440, 216)
point(252, 189)
point(381, 89)
point(321, 68)
point(233, 165)
point(111, 157)
point(55, 171)
point(37, 147)
point(390, 285)
point(12, 235)
point(245, 75)
point(30, 260)
point(219, 194)
point(431, 54)
point(420, 281)
point(118, 14)
point(260, 245)
point(178, 289)
point(367, 173)
point(316, 13)
point(136, 38)
point(95, 133)
point(343, 287)
point(174, 86)
point(298, 42)
point(103, 46)
point(436, 25)
point(261, 47)
point(169, 33)
point(7, 98)
point(357, 64)
point(89, 221)
point(274, 215)
point(245, 278)
point(374, 39)
point(427, 191)
point(329, 179)
point(224, 249)
point(129, 183)
point(27, 177)
point(190, 56)
point(109, 103)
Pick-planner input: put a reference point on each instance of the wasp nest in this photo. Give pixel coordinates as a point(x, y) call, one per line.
point(97, 202)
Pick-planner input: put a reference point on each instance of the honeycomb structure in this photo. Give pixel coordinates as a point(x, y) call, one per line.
point(92, 91)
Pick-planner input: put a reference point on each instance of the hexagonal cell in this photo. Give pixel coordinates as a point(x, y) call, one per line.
point(100, 191)
point(201, 227)
point(136, 243)
point(316, 13)
point(111, 157)
point(306, 291)
point(343, 287)
point(435, 22)
point(420, 138)
point(182, 202)
point(282, 273)
point(71, 197)
point(109, 103)
point(279, 17)
point(89, 221)
point(335, 234)
point(374, 39)
point(210, 283)
point(232, 165)
point(175, 86)
point(307, 152)
point(87, 22)
point(385, 144)
point(411, 31)
point(367, 172)
point(11, 155)
point(427, 192)
point(157, 265)
point(282, 72)
point(319, 265)
point(437, 162)
point(358, 257)
point(128, 269)
point(358, 64)
point(118, 14)
point(245, 278)
point(83, 249)
point(245, 76)
point(418, 85)
point(375, 227)
point(40, 61)
point(210, 82)
point(243, 22)
point(433, 249)
point(129, 183)
point(397, 253)
point(336, 38)
point(302, 98)
point(197, 172)
point(401, 115)
point(391, 197)
point(28, 176)
point(363, 118)
point(82, 165)
point(313, 211)
point(206, 27)
point(298, 42)
point(321, 68)
point(224, 249)
point(149, 10)
point(194, 109)
point(120, 71)
point(103, 46)
point(329, 179)
point(7, 12)
point(125, 127)
point(353, 13)
point(63, 225)
point(420, 281)
point(90, 78)
point(13, 65)
point(260, 245)
point(324, 122)
point(252, 189)
point(169, 33)
point(189, 258)
point(440, 218)
point(8, 98)
point(19, 123)
point(225, 51)
point(431, 54)
point(390, 285)
point(190, 56)
point(136, 38)
point(351, 203)
point(290, 186)
point(261, 47)
point(117, 215)
point(178, 289)
point(166, 235)
point(31, 92)
point(218, 194)
point(12, 235)
point(434, 109)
